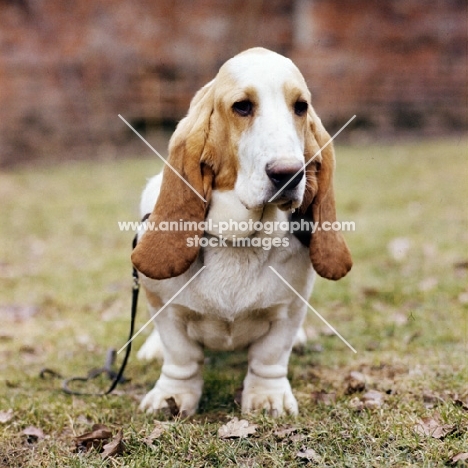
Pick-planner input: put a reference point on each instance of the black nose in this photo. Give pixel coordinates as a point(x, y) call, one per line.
point(285, 176)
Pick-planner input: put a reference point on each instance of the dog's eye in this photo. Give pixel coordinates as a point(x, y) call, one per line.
point(243, 108)
point(300, 108)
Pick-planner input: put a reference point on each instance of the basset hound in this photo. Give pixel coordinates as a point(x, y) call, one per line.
point(241, 155)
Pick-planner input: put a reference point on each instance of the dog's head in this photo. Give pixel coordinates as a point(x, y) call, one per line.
point(251, 130)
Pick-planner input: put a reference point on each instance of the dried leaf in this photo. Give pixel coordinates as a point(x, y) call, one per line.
point(356, 404)
point(309, 454)
point(462, 402)
point(356, 382)
point(236, 429)
point(297, 437)
point(99, 431)
point(114, 447)
point(5, 416)
point(324, 397)
point(93, 439)
point(359, 376)
point(430, 400)
point(433, 427)
point(459, 457)
point(159, 429)
point(34, 434)
point(370, 291)
point(373, 399)
point(285, 431)
point(462, 265)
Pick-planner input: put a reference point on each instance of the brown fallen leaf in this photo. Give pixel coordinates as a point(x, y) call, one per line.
point(463, 403)
point(297, 438)
point(356, 404)
point(98, 431)
point(6, 416)
point(431, 399)
point(373, 399)
point(34, 434)
point(459, 457)
point(462, 265)
point(99, 435)
point(356, 382)
point(159, 429)
point(283, 432)
point(236, 429)
point(433, 427)
point(309, 454)
point(114, 447)
point(324, 398)
point(370, 291)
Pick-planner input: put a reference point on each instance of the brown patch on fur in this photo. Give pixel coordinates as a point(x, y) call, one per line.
point(153, 299)
point(226, 128)
point(328, 251)
point(165, 254)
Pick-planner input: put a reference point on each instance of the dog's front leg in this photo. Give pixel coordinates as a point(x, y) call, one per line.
point(266, 386)
point(181, 377)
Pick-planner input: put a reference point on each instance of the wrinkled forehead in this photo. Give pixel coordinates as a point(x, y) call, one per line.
point(271, 70)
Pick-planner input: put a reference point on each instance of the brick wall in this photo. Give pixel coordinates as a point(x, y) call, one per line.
point(398, 65)
point(68, 68)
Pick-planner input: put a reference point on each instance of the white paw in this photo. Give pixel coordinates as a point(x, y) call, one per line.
point(152, 348)
point(300, 339)
point(271, 395)
point(185, 395)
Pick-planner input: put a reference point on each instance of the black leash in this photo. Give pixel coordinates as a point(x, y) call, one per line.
point(117, 377)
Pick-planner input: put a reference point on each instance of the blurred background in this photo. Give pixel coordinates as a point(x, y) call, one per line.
point(68, 68)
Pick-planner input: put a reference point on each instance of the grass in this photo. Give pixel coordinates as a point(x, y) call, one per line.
point(65, 299)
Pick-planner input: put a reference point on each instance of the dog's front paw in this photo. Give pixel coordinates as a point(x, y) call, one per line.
point(174, 397)
point(271, 395)
point(152, 348)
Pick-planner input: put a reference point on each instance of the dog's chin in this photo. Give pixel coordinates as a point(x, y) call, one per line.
point(284, 202)
point(287, 204)
point(281, 204)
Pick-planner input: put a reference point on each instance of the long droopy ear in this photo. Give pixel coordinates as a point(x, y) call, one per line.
point(328, 251)
point(163, 254)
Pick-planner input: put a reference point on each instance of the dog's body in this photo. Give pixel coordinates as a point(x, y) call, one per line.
point(247, 133)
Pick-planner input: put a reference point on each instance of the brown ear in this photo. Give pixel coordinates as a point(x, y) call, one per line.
point(328, 251)
point(163, 254)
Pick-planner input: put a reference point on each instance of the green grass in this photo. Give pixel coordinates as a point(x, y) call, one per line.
point(65, 298)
